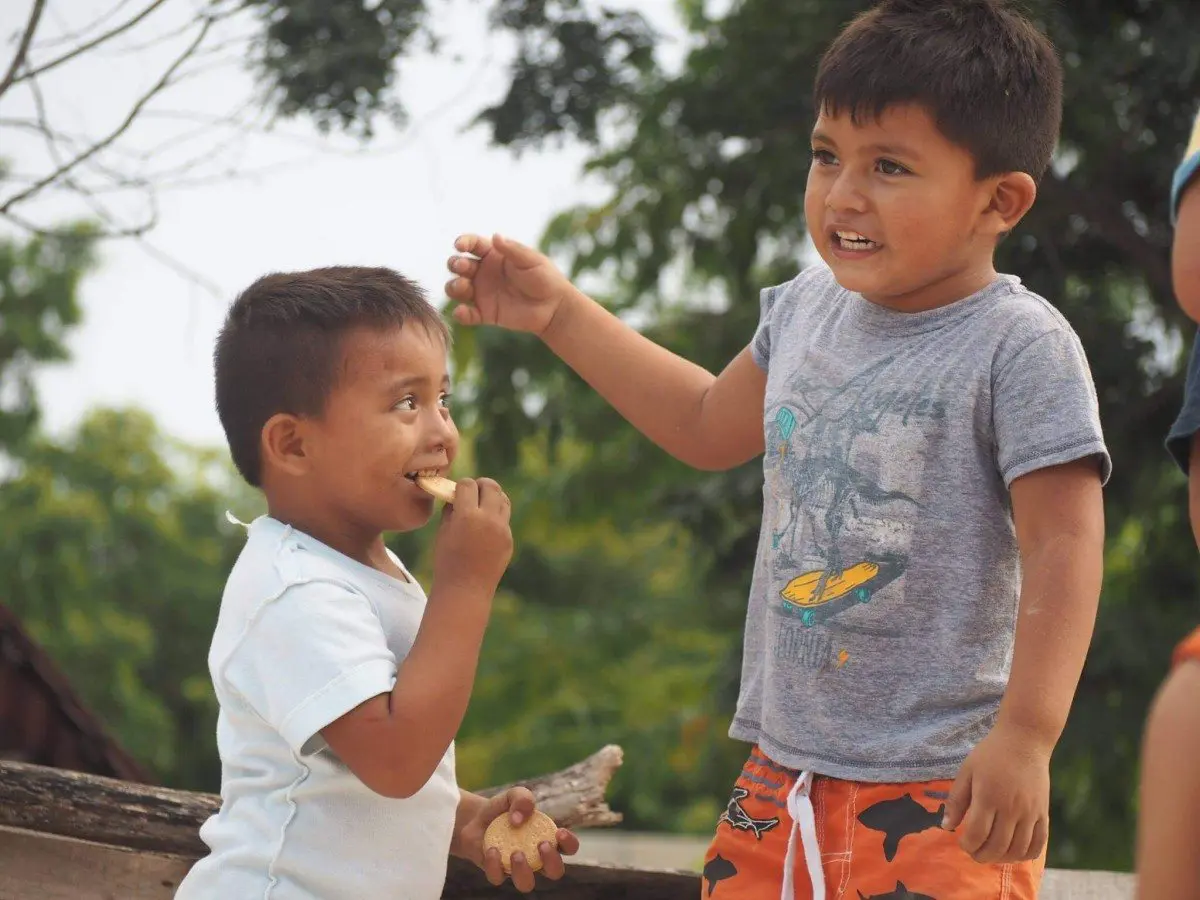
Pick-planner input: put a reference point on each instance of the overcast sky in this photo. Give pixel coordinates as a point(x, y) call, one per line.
point(147, 334)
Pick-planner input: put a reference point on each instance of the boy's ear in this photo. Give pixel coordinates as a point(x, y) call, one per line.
point(1012, 196)
point(283, 444)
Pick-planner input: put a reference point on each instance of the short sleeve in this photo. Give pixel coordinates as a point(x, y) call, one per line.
point(309, 657)
point(761, 345)
point(1187, 423)
point(1044, 408)
point(1186, 173)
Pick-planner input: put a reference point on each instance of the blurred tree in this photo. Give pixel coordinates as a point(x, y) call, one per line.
point(39, 279)
point(114, 551)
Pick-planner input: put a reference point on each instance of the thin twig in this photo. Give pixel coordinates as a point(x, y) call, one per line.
point(92, 44)
point(69, 37)
point(159, 86)
point(35, 16)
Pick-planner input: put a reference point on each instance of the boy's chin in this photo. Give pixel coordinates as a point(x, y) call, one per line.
point(417, 516)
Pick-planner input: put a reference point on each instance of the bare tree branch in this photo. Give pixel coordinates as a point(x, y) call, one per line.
point(70, 37)
point(35, 16)
point(89, 45)
point(114, 228)
point(159, 86)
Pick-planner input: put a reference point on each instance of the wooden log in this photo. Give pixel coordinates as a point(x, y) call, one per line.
point(161, 820)
point(574, 797)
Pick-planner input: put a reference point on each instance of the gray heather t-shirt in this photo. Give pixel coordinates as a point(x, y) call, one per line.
point(882, 612)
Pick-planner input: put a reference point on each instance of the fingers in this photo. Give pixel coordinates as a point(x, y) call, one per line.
point(517, 254)
point(958, 802)
point(553, 866)
point(493, 498)
point(998, 839)
point(463, 266)
point(1041, 834)
point(466, 494)
point(977, 829)
point(465, 314)
point(522, 874)
point(492, 867)
point(475, 244)
point(568, 843)
point(1022, 838)
point(460, 289)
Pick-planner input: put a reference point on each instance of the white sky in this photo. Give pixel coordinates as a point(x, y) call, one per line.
point(147, 333)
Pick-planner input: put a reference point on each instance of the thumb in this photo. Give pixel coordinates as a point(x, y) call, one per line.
point(959, 800)
point(517, 253)
point(520, 804)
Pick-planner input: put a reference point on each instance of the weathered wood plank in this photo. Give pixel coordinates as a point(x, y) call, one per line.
point(161, 820)
point(41, 867)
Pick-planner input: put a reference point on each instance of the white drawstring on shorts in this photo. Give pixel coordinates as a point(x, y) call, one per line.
point(804, 823)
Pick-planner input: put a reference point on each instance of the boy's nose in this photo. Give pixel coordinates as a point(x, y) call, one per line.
point(443, 433)
point(845, 195)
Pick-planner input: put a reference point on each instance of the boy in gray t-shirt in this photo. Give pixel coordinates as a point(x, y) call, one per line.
point(930, 558)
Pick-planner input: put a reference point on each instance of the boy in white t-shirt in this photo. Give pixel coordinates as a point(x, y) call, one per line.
point(341, 687)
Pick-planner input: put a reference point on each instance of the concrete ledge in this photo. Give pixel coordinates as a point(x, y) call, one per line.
point(682, 853)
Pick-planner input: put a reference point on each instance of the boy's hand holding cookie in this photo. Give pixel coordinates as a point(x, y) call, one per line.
point(474, 542)
point(508, 838)
point(501, 282)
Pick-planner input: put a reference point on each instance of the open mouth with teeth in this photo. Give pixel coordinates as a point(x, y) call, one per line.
point(852, 240)
point(422, 473)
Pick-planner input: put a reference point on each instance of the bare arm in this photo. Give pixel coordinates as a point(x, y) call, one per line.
point(1059, 516)
point(1185, 253)
point(707, 422)
point(1168, 843)
point(394, 742)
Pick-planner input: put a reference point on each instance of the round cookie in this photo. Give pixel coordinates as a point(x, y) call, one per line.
point(527, 837)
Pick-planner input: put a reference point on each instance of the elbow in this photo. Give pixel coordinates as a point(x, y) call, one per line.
point(394, 785)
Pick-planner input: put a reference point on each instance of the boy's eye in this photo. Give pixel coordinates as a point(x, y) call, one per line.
point(887, 167)
point(408, 403)
point(823, 157)
point(445, 400)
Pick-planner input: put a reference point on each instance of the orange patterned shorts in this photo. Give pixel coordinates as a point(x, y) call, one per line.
point(876, 842)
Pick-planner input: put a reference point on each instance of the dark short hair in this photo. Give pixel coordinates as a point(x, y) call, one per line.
point(989, 78)
point(280, 349)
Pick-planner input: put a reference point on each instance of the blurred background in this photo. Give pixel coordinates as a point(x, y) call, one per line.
point(158, 155)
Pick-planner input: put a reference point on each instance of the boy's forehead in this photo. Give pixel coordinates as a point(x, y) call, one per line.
point(393, 356)
point(907, 125)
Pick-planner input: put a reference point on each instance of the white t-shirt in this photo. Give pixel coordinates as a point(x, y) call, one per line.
point(304, 635)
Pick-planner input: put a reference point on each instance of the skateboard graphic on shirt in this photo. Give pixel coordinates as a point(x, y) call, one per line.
point(820, 595)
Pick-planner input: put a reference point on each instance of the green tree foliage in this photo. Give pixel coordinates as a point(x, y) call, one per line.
point(39, 279)
point(114, 550)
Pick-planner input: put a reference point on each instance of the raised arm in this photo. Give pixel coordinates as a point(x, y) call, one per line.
point(709, 422)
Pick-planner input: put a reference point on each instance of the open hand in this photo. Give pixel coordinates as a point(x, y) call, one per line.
point(501, 282)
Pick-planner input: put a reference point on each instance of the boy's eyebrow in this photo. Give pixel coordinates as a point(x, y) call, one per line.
point(404, 382)
point(886, 149)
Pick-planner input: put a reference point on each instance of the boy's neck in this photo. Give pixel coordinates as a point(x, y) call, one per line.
point(363, 545)
point(954, 287)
